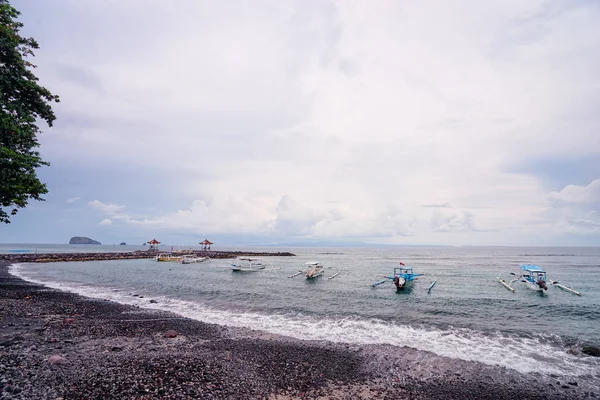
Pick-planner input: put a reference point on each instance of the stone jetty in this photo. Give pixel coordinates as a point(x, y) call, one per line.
point(62, 257)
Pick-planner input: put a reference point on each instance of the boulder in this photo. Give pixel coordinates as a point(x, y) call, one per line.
point(57, 360)
point(82, 240)
point(171, 334)
point(591, 351)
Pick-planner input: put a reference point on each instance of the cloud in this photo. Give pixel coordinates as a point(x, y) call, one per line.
point(452, 221)
point(71, 200)
point(105, 222)
point(578, 194)
point(579, 223)
point(106, 208)
point(328, 119)
point(576, 209)
point(440, 205)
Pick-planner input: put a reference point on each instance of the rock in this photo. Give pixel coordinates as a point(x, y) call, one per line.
point(68, 321)
point(82, 240)
point(122, 244)
point(171, 333)
point(153, 301)
point(591, 351)
point(57, 360)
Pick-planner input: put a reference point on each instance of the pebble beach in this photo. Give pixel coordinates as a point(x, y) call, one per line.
point(59, 345)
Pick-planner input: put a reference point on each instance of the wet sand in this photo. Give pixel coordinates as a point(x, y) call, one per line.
point(58, 345)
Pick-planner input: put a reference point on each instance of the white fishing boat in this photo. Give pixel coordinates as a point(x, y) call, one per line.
point(535, 278)
point(314, 269)
point(191, 259)
point(532, 276)
point(248, 264)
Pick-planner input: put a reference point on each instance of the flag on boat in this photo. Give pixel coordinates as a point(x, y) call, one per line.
point(401, 263)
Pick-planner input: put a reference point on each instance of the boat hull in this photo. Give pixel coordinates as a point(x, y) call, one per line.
point(193, 260)
point(534, 287)
point(167, 259)
point(400, 282)
point(243, 270)
point(315, 276)
point(246, 269)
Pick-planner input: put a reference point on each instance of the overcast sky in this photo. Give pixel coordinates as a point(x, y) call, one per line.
point(409, 122)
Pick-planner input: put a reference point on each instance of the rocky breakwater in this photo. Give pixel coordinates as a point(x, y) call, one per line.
point(63, 257)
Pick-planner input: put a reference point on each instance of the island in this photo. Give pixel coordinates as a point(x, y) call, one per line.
point(123, 244)
point(82, 240)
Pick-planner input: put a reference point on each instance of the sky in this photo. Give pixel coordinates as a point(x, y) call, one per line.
point(262, 122)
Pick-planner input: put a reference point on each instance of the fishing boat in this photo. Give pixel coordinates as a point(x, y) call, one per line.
point(191, 259)
point(534, 277)
point(168, 257)
point(402, 277)
point(248, 264)
point(314, 269)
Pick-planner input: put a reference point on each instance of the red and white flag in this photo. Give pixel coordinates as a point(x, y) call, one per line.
point(401, 263)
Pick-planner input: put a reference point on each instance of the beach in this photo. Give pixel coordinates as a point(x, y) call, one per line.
point(57, 345)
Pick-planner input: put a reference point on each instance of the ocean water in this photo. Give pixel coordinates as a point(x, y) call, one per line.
point(468, 315)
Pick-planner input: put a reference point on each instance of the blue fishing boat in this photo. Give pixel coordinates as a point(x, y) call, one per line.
point(402, 277)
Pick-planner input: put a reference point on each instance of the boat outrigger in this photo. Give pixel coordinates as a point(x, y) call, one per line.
point(402, 277)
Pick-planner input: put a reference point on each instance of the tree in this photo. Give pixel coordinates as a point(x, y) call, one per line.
point(23, 104)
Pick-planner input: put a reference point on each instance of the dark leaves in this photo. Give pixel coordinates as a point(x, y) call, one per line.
point(23, 102)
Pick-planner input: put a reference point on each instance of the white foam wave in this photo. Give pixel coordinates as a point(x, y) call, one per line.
point(521, 354)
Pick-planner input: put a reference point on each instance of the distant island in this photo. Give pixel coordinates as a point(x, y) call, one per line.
point(123, 244)
point(82, 240)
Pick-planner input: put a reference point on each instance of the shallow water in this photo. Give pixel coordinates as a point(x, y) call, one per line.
point(468, 315)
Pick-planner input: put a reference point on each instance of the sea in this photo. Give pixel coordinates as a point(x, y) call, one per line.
point(467, 315)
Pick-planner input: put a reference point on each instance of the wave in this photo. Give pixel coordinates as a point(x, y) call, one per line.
point(545, 354)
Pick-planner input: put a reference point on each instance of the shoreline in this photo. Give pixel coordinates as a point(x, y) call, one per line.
point(111, 350)
point(14, 258)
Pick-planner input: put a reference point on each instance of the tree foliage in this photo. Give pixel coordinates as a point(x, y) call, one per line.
point(24, 103)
